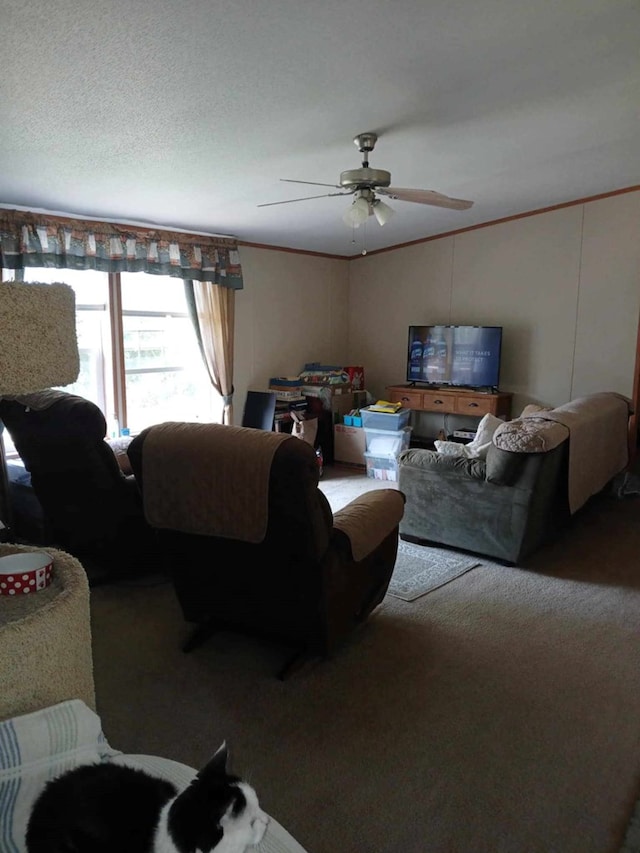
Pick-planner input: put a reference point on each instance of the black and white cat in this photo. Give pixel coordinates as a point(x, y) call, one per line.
point(110, 808)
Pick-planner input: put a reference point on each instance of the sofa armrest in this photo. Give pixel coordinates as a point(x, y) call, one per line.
point(368, 519)
point(431, 460)
point(504, 466)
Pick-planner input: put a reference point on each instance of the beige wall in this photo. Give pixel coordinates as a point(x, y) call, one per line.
point(292, 310)
point(565, 286)
point(607, 310)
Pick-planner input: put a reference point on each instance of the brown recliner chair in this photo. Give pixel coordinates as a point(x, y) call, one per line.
point(251, 542)
point(85, 503)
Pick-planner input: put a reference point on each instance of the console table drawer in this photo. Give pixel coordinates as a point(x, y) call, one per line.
point(409, 399)
point(452, 401)
point(480, 405)
point(436, 401)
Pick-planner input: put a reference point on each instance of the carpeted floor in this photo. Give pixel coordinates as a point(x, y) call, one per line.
point(632, 837)
point(499, 713)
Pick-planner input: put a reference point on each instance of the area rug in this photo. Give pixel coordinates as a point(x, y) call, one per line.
point(420, 569)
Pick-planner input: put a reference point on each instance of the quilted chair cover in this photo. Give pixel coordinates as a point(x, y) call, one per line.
point(308, 579)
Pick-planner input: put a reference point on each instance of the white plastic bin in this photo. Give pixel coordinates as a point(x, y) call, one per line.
point(382, 442)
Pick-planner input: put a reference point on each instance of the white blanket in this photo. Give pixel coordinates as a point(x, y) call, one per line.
point(37, 747)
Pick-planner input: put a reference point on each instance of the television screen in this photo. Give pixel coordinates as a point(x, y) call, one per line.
point(455, 355)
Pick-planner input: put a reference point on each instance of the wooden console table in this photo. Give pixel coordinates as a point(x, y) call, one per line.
point(454, 401)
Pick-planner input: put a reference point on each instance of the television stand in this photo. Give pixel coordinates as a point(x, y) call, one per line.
point(471, 402)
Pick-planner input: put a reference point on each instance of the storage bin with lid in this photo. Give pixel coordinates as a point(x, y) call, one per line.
point(385, 420)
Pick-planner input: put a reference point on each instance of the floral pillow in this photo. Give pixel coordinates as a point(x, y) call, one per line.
point(530, 435)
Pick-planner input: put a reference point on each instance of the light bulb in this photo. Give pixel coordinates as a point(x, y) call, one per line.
point(357, 213)
point(382, 211)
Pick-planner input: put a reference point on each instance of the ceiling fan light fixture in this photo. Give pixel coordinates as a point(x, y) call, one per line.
point(382, 211)
point(358, 213)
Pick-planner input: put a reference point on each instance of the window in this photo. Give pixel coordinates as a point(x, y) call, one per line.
point(165, 378)
point(157, 373)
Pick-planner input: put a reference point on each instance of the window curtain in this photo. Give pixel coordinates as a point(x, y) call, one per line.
point(212, 310)
point(210, 267)
point(33, 240)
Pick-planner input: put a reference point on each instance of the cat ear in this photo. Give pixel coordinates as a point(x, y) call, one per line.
point(216, 766)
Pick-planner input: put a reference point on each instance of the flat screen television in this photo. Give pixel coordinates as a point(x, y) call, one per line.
point(463, 356)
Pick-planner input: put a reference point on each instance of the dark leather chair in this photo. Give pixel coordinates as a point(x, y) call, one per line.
point(250, 540)
point(89, 507)
point(259, 409)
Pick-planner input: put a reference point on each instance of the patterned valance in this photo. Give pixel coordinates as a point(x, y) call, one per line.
point(34, 240)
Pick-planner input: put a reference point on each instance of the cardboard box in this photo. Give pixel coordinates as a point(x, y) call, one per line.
point(360, 399)
point(325, 390)
point(341, 405)
point(337, 400)
point(349, 445)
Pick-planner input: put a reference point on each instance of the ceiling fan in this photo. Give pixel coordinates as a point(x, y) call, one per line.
point(366, 184)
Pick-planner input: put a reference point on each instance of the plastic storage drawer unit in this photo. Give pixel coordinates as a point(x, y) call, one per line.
point(385, 420)
point(381, 467)
point(381, 442)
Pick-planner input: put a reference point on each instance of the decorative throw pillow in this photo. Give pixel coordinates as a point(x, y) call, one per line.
point(486, 428)
point(530, 435)
point(476, 449)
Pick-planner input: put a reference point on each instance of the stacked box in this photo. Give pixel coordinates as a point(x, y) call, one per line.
point(381, 467)
point(360, 398)
point(348, 445)
point(337, 399)
point(385, 442)
point(386, 435)
point(285, 383)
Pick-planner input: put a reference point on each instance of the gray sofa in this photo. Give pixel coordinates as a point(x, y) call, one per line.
point(539, 469)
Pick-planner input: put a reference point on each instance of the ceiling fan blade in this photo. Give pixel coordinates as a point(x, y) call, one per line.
point(425, 197)
point(313, 183)
point(305, 198)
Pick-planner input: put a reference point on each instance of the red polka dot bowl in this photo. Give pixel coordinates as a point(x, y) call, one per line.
point(25, 573)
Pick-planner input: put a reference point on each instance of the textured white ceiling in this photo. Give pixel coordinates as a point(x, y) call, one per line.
point(186, 113)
